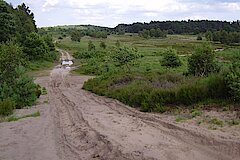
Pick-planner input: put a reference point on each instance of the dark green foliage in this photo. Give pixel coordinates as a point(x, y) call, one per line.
point(123, 56)
point(91, 46)
point(6, 107)
point(25, 22)
point(7, 27)
point(14, 84)
point(170, 58)
point(11, 56)
point(159, 108)
point(76, 35)
point(103, 45)
point(17, 89)
point(202, 62)
point(141, 91)
point(49, 41)
point(233, 81)
point(24, 90)
point(35, 47)
point(181, 27)
point(157, 33)
point(224, 37)
point(8, 23)
point(94, 62)
point(84, 54)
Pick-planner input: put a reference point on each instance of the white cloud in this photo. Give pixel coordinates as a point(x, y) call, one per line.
point(112, 12)
point(233, 6)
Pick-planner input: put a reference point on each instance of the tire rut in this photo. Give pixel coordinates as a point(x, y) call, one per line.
point(218, 147)
point(81, 134)
point(78, 140)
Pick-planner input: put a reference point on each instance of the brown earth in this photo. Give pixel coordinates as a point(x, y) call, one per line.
point(78, 125)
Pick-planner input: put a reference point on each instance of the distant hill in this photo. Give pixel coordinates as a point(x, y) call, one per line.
point(172, 27)
point(79, 27)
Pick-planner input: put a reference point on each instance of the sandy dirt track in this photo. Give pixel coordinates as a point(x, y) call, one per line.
point(79, 125)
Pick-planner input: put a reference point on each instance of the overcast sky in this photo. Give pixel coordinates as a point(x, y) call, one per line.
point(112, 12)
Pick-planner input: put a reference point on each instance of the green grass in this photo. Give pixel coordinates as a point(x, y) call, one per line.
point(196, 113)
point(13, 118)
point(216, 121)
point(151, 50)
point(39, 65)
point(180, 119)
point(44, 91)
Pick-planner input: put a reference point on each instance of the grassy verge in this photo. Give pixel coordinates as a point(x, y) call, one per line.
point(13, 118)
point(40, 65)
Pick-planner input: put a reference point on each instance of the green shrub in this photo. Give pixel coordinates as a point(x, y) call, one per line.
point(24, 92)
point(233, 81)
point(133, 94)
point(35, 47)
point(6, 107)
point(202, 62)
point(91, 46)
point(123, 56)
point(162, 96)
point(171, 59)
point(140, 90)
point(217, 87)
point(191, 93)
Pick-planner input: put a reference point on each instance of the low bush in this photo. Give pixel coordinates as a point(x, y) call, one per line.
point(140, 91)
point(233, 81)
point(170, 58)
point(6, 107)
point(202, 62)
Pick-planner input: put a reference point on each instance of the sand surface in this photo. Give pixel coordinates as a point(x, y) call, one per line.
point(78, 125)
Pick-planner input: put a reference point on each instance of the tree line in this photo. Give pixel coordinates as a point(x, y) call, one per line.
point(20, 45)
point(181, 27)
point(223, 36)
point(157, 33)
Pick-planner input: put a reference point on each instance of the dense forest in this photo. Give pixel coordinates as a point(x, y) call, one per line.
point(20, 45)
point(181, 27)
